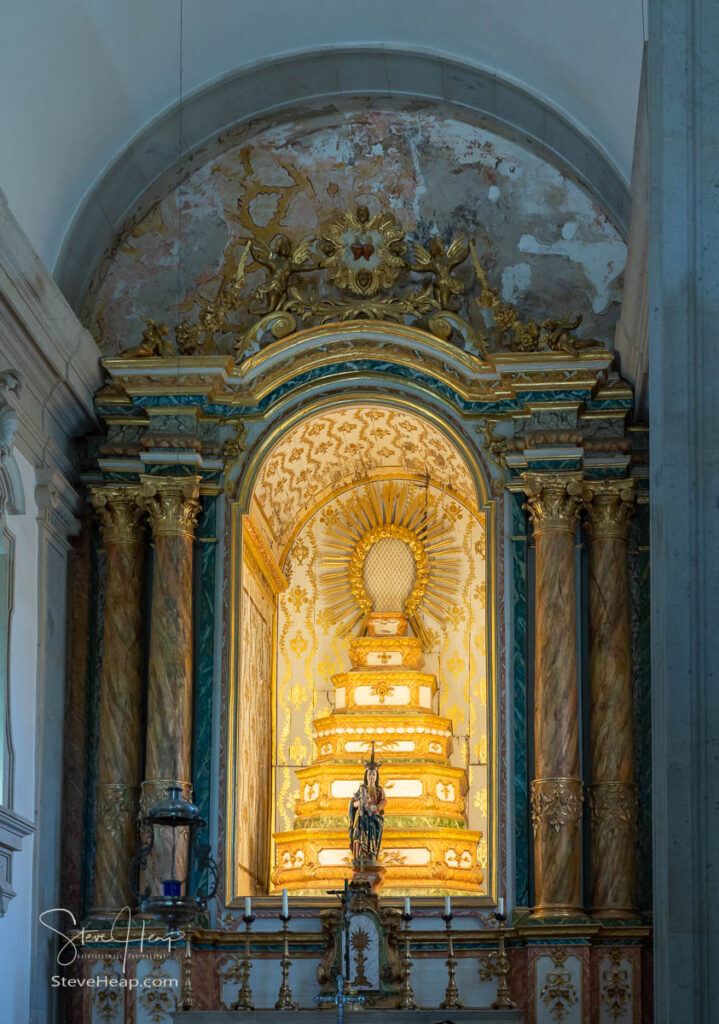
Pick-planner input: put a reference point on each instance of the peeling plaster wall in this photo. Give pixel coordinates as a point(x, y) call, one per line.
point(538, 232)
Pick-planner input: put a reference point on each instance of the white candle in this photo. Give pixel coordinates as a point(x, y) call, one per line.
point(500, 906)
point(285, 907)
point(248, 906)
point(447, 906)
point(406, 906)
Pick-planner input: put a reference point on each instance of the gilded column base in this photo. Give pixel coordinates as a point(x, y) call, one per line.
point(613, 807)
point(115, 839)
point(557, 824)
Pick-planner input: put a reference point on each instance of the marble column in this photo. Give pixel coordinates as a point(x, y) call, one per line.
point(553, 502)
point(612, 794)
point(173, 507)
point(120, 734)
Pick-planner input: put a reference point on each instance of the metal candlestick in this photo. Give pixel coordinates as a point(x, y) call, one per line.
point(407, 995)
point(503, 1001)
point(244, 995)
point(451, 995)
point(284, 997)
point(187, 1000)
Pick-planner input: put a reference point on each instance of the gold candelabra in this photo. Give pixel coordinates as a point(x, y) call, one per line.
point(187, 1000)
point(284, 998)
point(451, 995)
point(501, 970)
point(244, 995)
point(407, 995)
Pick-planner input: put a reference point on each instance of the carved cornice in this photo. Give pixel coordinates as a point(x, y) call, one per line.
point(119, 513)
point(610, 507)
point(171, 503)
point(554, 501)
point(613, 807)
point(556, 804)
point(58, 504)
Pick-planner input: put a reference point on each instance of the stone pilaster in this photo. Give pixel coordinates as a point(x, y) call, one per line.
point(610, 504)
point(173, 508)
point(553, 502)
point(120, 737)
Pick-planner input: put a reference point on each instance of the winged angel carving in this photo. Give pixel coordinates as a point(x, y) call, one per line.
point(440, 261)
point(280, 261)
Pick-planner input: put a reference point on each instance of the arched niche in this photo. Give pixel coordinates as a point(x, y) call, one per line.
point(302, 468)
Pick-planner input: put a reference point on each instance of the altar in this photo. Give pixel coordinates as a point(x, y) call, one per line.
point(466, 1016)
point(314, 577)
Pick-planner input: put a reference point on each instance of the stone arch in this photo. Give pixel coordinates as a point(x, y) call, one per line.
point(149, 167)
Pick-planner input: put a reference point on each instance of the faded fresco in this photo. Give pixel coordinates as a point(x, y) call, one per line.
point(311, 651)
point(544, 243)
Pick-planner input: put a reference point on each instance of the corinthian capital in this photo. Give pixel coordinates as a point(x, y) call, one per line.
point(171, 503)
point(610, 507)
point(554, 500)
point(119, 514)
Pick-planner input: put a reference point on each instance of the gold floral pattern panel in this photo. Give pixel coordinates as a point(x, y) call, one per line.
point(311, 651)
point(257, 619)
point(343, 446)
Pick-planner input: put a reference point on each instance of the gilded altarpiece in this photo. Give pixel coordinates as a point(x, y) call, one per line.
point(311, 650)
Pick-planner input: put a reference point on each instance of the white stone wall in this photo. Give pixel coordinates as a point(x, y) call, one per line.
point(16, 926)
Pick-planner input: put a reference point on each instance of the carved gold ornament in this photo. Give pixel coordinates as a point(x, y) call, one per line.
point(156, 996)
point(363, 253)
point(610, 507)
point(365, 256)
point(613, 807)
point(559, 993)
point(556, 804)
point(398, 512)
point(119, 514)
point(554, 501)
point(116, 807)
point(171, 503)
point(616, 988)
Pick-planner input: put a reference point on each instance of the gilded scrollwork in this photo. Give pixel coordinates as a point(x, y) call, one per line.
point(234, 447)
point(616, 987)
point(108, 998)
point(157, 996)
point(559, 993)
point(366, 257)
point(556, 804)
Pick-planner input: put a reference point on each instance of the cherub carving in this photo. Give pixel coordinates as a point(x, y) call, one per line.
point(154, 342)
point(441, 262)
point(281, 262)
